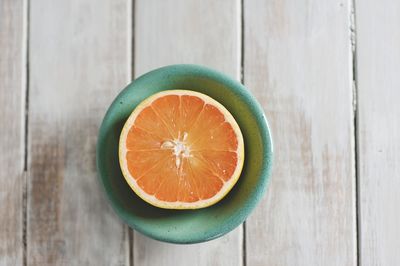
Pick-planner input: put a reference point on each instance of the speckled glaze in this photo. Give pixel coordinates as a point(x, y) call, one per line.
point(187, 226)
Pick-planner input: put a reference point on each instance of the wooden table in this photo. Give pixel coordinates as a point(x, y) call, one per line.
point(326, 72)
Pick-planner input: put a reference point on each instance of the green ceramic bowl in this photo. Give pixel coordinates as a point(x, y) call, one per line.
point(187, 226)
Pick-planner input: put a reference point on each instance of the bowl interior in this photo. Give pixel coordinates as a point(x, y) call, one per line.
point(187, 226)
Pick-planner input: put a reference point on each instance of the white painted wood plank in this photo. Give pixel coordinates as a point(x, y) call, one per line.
point(298, 64)
point(378, 82)
point(199, 32)
point(80, 54)
point(187, 31)
point(12, 105)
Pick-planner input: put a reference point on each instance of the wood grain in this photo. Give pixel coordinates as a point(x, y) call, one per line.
point(79, 60)
point(378, 83)
point(12, 105)
point(297, 62)
point(199, 32)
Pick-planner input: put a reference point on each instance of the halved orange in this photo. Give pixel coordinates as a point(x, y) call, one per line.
point(181, 149)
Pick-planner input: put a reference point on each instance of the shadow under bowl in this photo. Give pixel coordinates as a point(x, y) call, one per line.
point(187, 226)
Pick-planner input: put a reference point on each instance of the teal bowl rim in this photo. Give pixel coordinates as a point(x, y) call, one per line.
point(265, 132)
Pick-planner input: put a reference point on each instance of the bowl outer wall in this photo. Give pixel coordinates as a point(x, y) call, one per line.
point(189, 226)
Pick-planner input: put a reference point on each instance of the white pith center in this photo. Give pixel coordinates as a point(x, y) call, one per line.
point(179, 148)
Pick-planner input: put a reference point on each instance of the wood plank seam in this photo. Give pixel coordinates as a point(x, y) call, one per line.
point(24, 219)
point(353, 40)
point(26, 132)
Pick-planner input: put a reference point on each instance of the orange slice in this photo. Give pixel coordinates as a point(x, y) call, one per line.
point(181, 149)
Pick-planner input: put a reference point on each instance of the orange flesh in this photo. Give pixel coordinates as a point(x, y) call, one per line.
point(181, 149)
